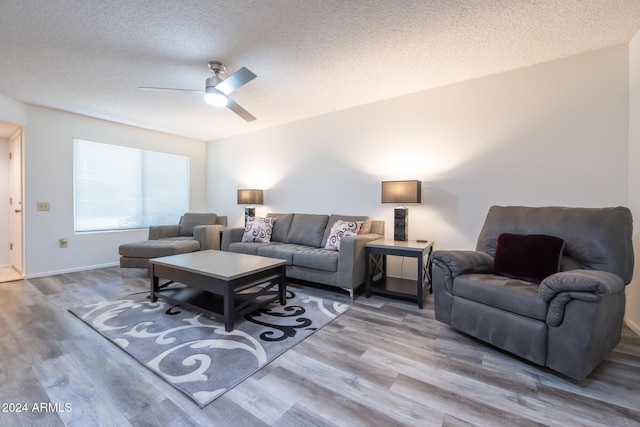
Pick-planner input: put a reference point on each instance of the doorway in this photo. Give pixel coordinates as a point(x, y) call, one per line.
point(15, 269)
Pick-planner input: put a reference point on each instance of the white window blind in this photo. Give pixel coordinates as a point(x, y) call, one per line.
point(118, 188)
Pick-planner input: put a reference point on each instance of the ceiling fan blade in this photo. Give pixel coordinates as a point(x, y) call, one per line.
point(170, 88)
point(231, 104)
point(235, 80)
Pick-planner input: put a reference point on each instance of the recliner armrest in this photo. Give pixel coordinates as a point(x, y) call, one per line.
point(463, 262)
point(592, 281)
point(585, 285)
point(163, 231)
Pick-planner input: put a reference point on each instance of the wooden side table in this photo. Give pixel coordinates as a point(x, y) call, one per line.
point(378, 283)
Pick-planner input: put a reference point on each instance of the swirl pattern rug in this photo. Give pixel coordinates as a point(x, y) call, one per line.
point(194, 353)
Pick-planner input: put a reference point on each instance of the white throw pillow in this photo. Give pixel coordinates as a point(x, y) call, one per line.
point(341, 229)
point(258, 230)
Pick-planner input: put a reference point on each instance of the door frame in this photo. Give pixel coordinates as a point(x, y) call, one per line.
point(16, 227)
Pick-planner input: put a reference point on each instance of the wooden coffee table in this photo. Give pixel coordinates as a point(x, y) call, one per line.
point(219, 283)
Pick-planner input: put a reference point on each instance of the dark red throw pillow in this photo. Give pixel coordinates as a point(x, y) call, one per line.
point(530, 257)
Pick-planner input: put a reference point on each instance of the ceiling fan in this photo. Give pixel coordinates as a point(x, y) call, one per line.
point(217, 90)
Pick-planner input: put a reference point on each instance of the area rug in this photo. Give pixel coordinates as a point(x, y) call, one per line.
point(194, 353)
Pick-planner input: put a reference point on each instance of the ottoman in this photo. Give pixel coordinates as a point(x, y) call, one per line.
point(137, 254)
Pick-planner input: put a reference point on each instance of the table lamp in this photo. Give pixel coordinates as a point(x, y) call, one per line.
point(250, 197)
point(401, 192)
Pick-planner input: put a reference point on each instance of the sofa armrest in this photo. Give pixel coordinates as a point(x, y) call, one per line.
point(585, 285)
point(208, 236)
point(231, 235)
point(163, 231)
point(352, 260)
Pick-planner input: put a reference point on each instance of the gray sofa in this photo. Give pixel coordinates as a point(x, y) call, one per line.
point(568, 322)
point(195, 231)
point(300, 240)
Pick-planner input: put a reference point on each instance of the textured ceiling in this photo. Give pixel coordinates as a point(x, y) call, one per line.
point(311, 57)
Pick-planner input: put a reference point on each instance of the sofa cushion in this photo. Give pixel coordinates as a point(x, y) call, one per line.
point(531, 257)
point(307, 229)
point(301, 256)
point(190, 220)
point(513, 295)
point(339, 230)
point(281, 227)
point(250, 248)
point(158, 248)
point(282, 251)
point(258, 229)
point(365, 229)
point(317, 258)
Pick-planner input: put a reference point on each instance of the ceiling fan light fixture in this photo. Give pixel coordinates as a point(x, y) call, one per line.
point(215, 98)
point(217, 91)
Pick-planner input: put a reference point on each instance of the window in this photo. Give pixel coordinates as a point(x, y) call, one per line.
point(119, 188)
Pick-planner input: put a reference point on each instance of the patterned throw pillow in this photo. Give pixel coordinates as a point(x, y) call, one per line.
point(341, 229)
point(258, 230)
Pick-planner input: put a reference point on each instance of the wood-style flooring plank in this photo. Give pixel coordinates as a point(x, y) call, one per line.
point(470, 410)
point(301, 416)
point(397, 408)
point(111, 372)
point(256, 400)
point(324, 401)
point(226, 413)
point(326, 351)
point(163, 413)
point(22, 395)
point(67, 384)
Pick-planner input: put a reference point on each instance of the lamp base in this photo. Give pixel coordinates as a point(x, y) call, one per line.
point(249, 213)
point(400, 229)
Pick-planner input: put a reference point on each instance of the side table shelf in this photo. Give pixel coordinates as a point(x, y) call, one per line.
point(378, 283)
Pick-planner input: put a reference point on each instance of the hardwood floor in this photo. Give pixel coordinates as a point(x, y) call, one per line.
point(9, 274)
point(383, 363)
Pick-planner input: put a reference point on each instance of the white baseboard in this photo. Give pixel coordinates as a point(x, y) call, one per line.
point(71, 270)
point(634, 327)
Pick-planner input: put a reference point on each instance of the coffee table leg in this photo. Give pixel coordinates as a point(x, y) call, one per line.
point(282, 286)
point(229, 309)
point(154, 285)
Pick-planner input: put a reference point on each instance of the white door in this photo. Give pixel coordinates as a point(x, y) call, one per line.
point(15, 201)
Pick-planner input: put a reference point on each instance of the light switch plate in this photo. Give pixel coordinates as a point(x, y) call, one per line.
point(42, 206)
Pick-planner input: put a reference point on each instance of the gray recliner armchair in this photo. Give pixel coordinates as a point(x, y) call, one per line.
point(572, 318)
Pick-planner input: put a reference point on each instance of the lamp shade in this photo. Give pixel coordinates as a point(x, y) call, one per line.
point(401, 192)
point(250, 197)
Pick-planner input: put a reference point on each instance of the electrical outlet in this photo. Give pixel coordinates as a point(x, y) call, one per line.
point(42, 206)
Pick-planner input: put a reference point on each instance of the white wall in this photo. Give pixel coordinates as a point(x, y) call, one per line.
point(13, 111)
point(4, 202)
point(550, 134)
point(49, 178)
point(633, 290)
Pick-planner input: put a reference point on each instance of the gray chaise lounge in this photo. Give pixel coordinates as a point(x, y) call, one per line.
point(195, 231)
point(572, 319)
